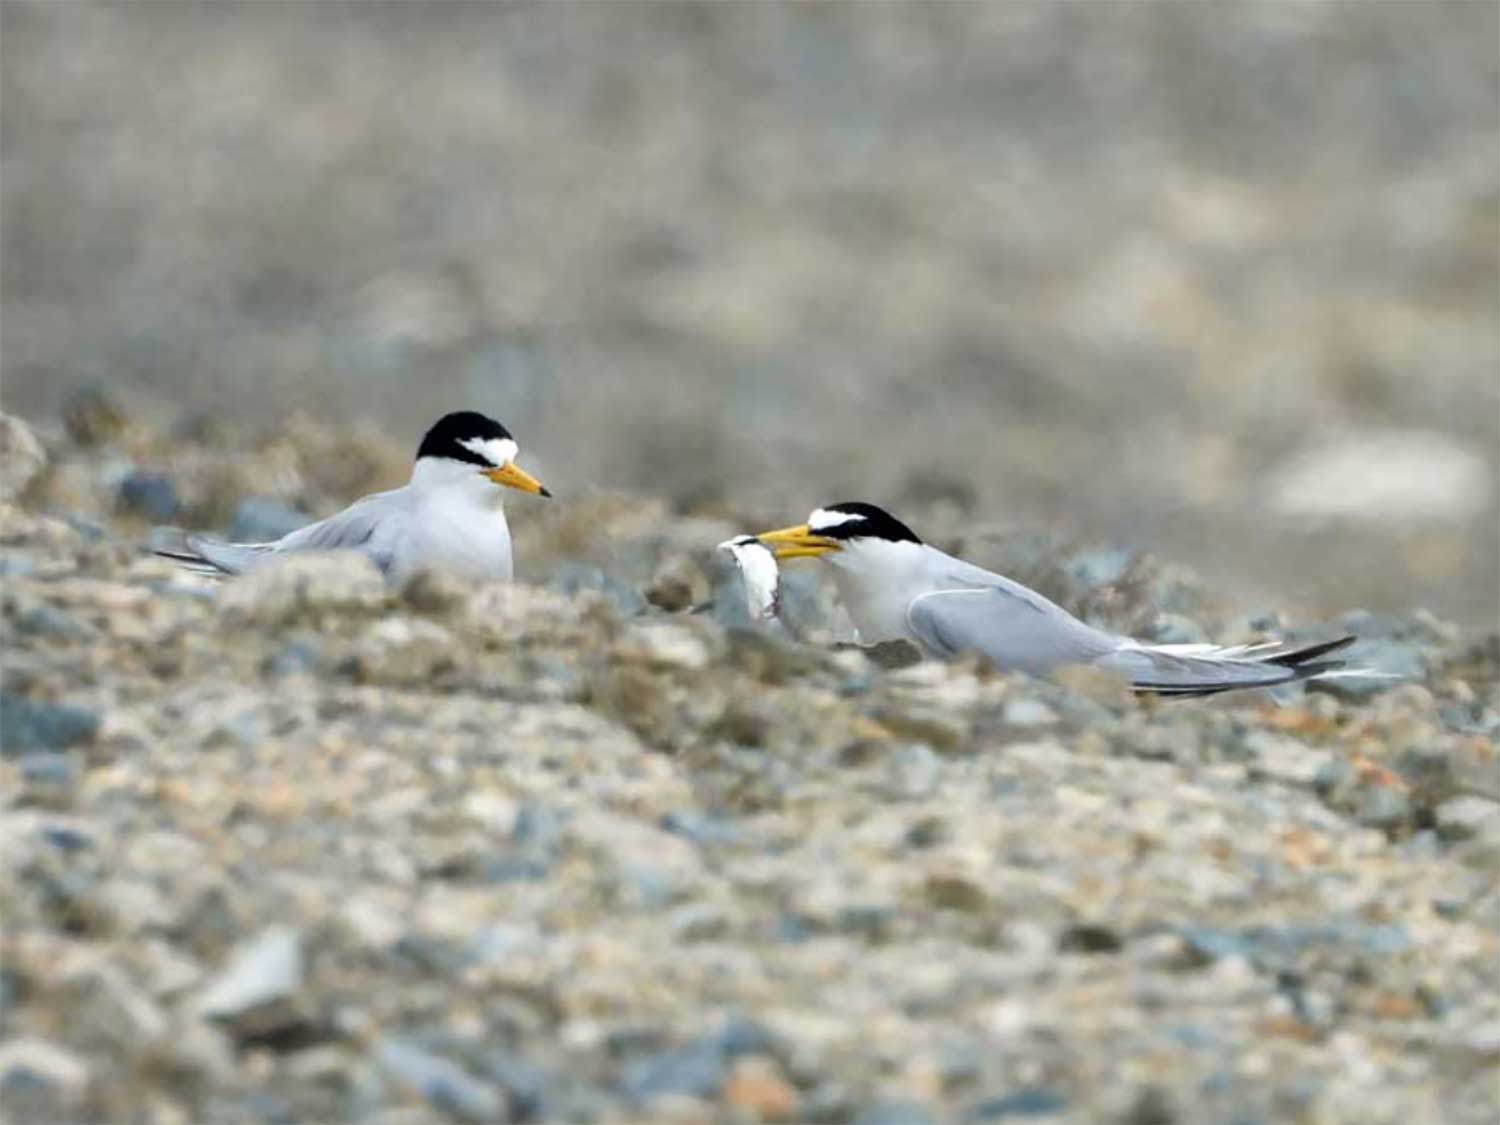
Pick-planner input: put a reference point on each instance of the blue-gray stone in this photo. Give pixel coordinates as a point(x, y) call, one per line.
point(1213, 944)
point(16, 564)
point(1384, 807)
point(573, 578)
point(66, 839)
point(88, 530)
point(49, 621)
point(1277, 946)
point(441, 1081)
point(651, 887)
point(536, 826)
point(700, 828)
point(1174, 629)
point(1396, 655)
point(1333, 776)
point(527, 1086)
point(697, 1070)
point(28, 724)
point(792, 928)
point(150, 495)
point(1092, 569)
point(895, 1113)
point(1027, 713)
point(1023, 1103)
point(260, 519)
point(47, 768)
point(495, 943)
point(740, 1035)
point(869, 921)
point(1193, 1037)
point(294, 658)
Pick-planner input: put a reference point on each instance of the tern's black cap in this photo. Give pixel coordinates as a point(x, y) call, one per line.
point(862, 521)
point(458, 436)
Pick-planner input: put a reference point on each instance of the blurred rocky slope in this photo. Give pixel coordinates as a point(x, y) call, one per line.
point(302, 848)
point(1216, 280)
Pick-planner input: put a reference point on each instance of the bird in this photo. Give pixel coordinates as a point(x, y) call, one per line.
point(895, 587)
point(748, 591)
point(448, 516)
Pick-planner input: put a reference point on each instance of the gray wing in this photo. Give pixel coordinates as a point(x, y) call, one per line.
point(1014, 627)
point(372, 526)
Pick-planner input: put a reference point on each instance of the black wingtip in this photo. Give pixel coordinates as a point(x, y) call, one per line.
point(181, 558)
point(1300, 657)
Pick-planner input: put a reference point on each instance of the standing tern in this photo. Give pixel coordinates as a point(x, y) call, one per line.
point(896, 587)
point(448, 516)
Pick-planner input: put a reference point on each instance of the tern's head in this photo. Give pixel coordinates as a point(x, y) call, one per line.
point(466, 446)
point(841, 530)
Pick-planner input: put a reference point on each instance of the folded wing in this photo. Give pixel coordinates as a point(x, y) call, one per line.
point(1015, 628)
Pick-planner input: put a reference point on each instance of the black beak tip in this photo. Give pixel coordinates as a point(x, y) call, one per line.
point(545, 492)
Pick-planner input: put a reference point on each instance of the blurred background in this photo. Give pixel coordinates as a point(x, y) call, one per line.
point(1220, 282)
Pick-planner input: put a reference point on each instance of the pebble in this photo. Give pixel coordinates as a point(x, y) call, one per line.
point(261, 519)
point(404, 651)
point(1285, 759)
point(1384, 807)
point(1464, 818)
point(448, 1086)
point(697, 1070)
point(40, 1080)
point(149, 495)
point(573, 578)
point(757, 1086)
point(895, 1113)
point(1103, 567)
point(29, 724)
point(1021, 1104)
point(262, 974)
point(1028, 713)
point(301, 586)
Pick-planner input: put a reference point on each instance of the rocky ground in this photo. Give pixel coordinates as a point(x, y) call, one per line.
point(299, 848)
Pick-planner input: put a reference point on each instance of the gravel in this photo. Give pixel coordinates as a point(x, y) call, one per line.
point(299, 847)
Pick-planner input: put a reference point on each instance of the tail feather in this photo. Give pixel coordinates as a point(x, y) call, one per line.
point(215, 559)
point(1209, 671)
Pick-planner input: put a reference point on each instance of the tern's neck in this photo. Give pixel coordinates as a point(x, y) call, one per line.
point(877, 579)
point(455, 480)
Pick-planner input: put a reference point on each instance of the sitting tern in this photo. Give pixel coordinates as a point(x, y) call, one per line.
point(895, 587)
point(448, 516)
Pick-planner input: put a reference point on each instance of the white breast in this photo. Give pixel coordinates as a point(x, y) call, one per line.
point(463, 534)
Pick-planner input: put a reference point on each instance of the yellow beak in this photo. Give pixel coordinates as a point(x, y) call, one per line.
point(798, 543)
point(512, 477)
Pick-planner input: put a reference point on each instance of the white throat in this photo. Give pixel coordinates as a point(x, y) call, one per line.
point(457, 478)
point(877, 580)
point(457, 519)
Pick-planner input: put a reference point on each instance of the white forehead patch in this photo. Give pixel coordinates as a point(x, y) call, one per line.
point(497, 451)
point(825, 518)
